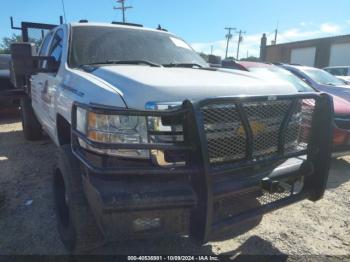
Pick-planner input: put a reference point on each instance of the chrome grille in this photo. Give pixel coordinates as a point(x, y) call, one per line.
point(265, 120)
point(227, 137)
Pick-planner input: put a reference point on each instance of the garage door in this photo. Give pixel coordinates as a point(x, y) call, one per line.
point(303, 56)
point(340, 55)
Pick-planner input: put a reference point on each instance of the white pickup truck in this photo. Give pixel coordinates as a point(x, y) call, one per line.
point(153, 142)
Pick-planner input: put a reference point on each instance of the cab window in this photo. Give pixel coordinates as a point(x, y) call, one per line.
point(56, 45)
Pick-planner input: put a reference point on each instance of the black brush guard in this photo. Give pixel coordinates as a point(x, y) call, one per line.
point(202, 173)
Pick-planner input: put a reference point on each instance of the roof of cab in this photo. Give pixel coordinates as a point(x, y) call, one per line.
point(110, 25)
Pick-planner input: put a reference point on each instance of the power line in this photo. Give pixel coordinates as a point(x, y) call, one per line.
point(64, 11)
point(122, 7)
point(228, 37)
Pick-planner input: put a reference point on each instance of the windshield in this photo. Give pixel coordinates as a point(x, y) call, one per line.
point(322, 77)
point(276, 72)
point(92, 44)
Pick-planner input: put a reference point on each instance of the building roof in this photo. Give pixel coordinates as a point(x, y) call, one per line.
point(313, 40)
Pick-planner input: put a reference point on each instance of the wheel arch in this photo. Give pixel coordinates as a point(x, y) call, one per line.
point(63, 130)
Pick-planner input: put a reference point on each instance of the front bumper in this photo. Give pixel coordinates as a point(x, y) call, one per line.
point(154, 207)
point(140, 209)
point(132, 201)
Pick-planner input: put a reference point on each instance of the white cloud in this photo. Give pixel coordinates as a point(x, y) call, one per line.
point(251, 42)
point(306, 23)
point(330, 28)
point(296, 34)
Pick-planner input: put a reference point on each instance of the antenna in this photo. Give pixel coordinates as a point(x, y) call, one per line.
point(64, 11)
point(122, 7)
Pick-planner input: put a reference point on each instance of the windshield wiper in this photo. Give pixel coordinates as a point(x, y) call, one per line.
point(123, 62)
point(189, 65)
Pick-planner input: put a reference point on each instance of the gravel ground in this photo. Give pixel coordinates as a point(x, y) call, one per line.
point(28, 226)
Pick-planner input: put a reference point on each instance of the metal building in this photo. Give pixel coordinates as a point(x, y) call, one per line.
point(321, 52)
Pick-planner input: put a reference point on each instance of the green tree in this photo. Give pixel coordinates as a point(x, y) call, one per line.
point(7, 41)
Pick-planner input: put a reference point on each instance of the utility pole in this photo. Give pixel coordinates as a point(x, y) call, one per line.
point(228, 36)
point(240, 39)
point(276, 32)
point(122, 7)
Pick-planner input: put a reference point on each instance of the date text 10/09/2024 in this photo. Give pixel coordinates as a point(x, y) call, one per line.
point(173, 258)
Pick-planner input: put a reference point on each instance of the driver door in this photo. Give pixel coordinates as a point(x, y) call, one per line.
point(37, 83)
point(48, 83)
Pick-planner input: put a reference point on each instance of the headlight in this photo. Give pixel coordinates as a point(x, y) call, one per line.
point(112, 129)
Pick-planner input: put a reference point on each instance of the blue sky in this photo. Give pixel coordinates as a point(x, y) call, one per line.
point(199, 22)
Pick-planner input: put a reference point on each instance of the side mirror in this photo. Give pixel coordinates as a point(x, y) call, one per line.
point(25, 63)
point(52, 65)
point(22, 63)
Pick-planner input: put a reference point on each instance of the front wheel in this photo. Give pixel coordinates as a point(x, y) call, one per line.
point(76, 223)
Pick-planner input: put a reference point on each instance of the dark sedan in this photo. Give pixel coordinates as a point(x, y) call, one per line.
point(320, 80)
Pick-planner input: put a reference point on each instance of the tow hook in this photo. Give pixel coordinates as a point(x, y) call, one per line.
point(272, 186)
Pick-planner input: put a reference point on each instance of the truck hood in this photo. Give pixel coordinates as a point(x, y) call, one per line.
point(142, 84)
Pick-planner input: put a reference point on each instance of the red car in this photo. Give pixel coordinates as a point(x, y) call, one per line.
point(341, 137)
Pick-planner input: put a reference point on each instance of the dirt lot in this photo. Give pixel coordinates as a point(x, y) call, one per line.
point(27, 221)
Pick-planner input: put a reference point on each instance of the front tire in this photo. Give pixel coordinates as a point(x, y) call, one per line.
point(32, 129)
point(76, 223)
